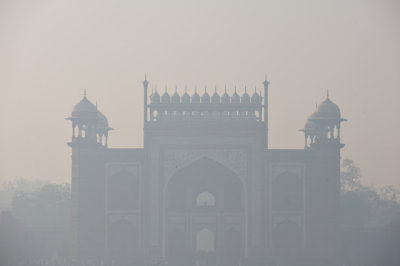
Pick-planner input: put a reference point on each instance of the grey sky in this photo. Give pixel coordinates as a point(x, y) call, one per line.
point(51, 50)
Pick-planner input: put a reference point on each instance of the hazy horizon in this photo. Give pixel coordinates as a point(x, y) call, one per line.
point(51, 51)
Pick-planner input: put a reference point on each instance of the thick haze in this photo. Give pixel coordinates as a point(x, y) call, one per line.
point(51, 50)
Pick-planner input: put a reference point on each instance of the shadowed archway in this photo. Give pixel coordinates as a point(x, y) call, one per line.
point(205, 194)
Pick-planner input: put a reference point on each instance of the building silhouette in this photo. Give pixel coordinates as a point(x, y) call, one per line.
point(206, 189)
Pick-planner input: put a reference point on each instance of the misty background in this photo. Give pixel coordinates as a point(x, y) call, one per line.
point(51, 50)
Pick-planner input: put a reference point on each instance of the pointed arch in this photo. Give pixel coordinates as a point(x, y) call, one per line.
point(203, 175)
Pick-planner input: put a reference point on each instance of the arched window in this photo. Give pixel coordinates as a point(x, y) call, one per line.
point(205, 241)
point(205, 199)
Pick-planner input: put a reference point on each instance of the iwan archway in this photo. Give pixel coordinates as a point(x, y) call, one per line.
point(205, 215)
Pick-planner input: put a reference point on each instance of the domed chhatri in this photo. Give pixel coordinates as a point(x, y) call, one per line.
point(155, 97)
point(235, 98)
point(215, 99)
point(176, 99)
point(323, 126)
point(205, 98)
point(226, 99)
point(185, 97)
point(245, 97)
point(89, 125)
point(165, 99)
point(256, 98)
point(195, 97)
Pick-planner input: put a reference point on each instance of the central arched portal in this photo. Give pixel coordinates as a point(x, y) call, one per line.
point(205, 215)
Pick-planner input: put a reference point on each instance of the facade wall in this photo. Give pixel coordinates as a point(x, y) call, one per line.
point(239, 151)
point(258, 205)
point(284, 191)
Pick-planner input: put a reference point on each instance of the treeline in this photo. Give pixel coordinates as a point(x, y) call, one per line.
point(35, 221)
point(34, 224)
point(366, 206)
point(370, 221)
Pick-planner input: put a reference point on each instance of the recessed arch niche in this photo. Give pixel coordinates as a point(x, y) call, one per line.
point(205, 175)
point(201, 199)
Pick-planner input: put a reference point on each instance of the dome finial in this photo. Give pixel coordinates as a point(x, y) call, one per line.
point(84, 93)
point(176, 89)
point(215, 89)
point(185, 88)
point(266, 82)
point(205, 89)
point(145, 81)
point(327, 93)
point(225, 88)
point(245, 89)
point(195, 89)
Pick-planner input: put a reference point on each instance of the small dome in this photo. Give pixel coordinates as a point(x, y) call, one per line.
point(176, 98)
point(226, 99)
point(84, 108)
point(235, 98)
point(166, 98)
point(195, 97)
point(245, 97)
point(205, 98)
point(185, 98)
point(215, 98)
point(328, 106)
point(155, 97)
point(256, 98)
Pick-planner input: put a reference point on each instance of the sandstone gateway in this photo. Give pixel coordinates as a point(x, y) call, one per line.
point(205, 189)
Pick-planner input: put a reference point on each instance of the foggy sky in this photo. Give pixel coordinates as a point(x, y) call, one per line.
point(51, 50)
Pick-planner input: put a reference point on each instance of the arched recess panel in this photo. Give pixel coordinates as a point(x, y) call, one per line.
point(123, 191)
point(205, 175)
point(287, 192)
